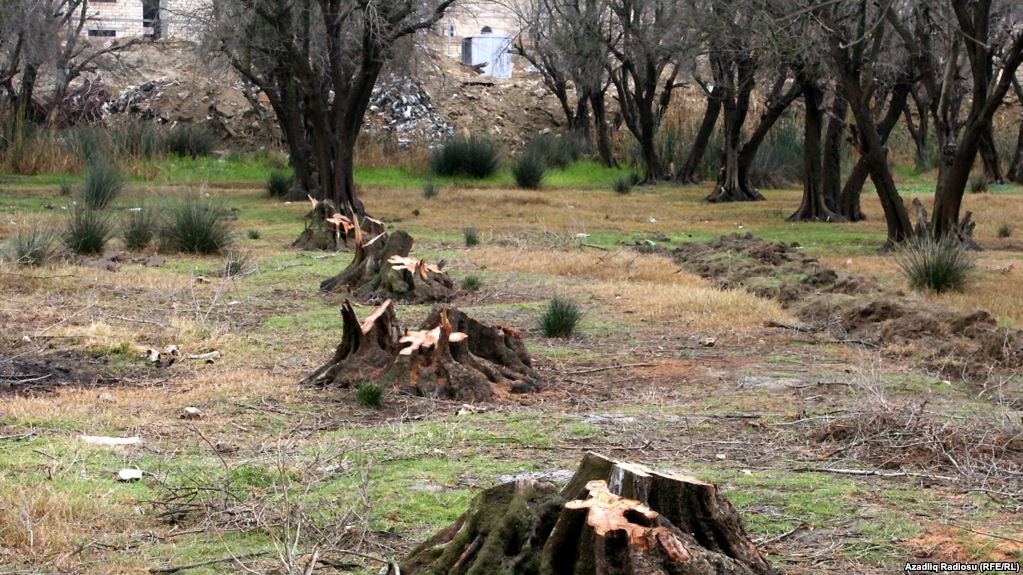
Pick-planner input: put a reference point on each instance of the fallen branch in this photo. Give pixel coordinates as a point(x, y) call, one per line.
point(598, 369)
point(178, 568)
point(985, 534)
point(871, 472)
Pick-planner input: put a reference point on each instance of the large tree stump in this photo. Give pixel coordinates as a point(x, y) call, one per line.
point(437, 360)
point(382, 269)
point(611, 518)
point(328, 228)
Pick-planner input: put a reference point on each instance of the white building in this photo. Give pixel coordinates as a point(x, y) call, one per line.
point(133, 18)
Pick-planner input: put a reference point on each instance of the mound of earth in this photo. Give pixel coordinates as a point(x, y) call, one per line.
point(854, 308)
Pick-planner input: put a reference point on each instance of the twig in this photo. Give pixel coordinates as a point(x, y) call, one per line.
point(76, 314)
point(596, 369)
point(601, 248)
point(177, 568)
point(778, 538)
point(985, 534)
point(871, 472)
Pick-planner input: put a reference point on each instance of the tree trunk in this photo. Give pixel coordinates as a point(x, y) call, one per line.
point(989, 155)
point(849, 197)
point(654, 172)
point(832, 161)
point(736, 75)
point(451, 356)
point(1016, 168)
point(813, 207)
point(778, 102)
point(600, 127)
point(612, 518)
point(690, 172)
point(381, 269)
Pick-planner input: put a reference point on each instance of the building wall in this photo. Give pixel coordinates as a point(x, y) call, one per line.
point(469, 17)
point(178, 17)
point(116, 18)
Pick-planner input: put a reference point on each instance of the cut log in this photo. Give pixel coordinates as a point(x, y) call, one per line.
point(437, 360)
point(382, 269)
point(612, 518)
point(328, 228)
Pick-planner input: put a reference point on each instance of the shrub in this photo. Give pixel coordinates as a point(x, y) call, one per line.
point(559, 151)
point(138, 228)
point(471, 236)
point(196, 226)
point(529, 170)
point(189, 141)
point(978, 184)
point(938, 265)
point(87, 230)
point(278, 185)
point(134, 140)
point(30, 245)
point(369, 394)
point(1004, 231)
point(472, 157)
point(623, 185)
point(236, 264)
point(561, 317)
point(431, 190)
point(103, 183)
point(471, 282)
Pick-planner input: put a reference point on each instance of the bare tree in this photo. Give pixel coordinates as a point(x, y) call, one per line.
point(646, 39)
point(317, 62)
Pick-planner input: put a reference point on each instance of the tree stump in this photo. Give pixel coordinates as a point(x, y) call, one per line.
point(437, 360)
point(612, 518)
point(382, 269)
point(327, 228)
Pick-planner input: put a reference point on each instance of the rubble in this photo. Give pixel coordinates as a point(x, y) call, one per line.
point(402, 107)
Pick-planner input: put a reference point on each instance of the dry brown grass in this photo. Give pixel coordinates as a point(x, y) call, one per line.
point(645, 287)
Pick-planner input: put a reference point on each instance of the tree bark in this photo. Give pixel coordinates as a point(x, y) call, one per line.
point(777, 103)
point(600, 128)
point(813, 207)
point(690, 172)
point(612, 518)
point(1015, 172)
point(989, 155)
point(736, 75)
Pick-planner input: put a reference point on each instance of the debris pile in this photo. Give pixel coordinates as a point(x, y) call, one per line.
point(402, 107)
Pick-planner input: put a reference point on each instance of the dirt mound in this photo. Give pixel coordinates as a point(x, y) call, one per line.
point(29, 374)
point(855, 308)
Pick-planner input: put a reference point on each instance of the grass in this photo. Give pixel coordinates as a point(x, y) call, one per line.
point(87, 230)
point(471, 283)
point(138, 228)
point(473, 157)
point(940, 266)
point(195, 225)
point(431, 190)
point(369, 394)
point(189, 141)
point(278, 185)
point(471, 236)
point(529, 170)
point(31, 245)
point(103, 184)
point(560, 318)
point(623, 185)
point(1004, 231)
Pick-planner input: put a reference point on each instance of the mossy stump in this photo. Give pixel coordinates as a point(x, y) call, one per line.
point(612, 518)
point(479, 364)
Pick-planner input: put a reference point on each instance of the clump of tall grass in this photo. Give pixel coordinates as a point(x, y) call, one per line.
point(369, 394)
point(1004, 231)
point(191, 141)
point(278, 185)
point(30, 245)
point(139, 227)
point(979, 184)
point(471, 282)
point(472, 157)
point(623, 184)
point(195, 225)
point(557, 151)
point(529, 170)
point(87, 230)
point(937, 265)
point(471, 236)
point(103, 183)
point(561, 317)
point(135, 140)
point(431, 190)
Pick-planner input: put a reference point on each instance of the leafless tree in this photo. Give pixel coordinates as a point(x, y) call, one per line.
point(317, 62)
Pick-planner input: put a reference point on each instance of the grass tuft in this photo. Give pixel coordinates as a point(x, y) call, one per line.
point(623, 185)
point(31, 245)
point(138, 228)
point(103, 183)
point(253, 234)
point(196, 226)
point(278, 185)
point(87, 230)
point(369, 394)
point(236, 264)
point(471, 282)
point(472, 157)
point(558, 151)
point(1004, 231)
point(529, 170)
point(471, 236)
point(941, 266)
point(561, 318)
point(189, 141)
point(431, 190)
point(979, 184)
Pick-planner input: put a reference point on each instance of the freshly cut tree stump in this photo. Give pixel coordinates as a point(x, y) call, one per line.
point(328, 228)
point(612, 518)
point(437, 360)
point(382, 269)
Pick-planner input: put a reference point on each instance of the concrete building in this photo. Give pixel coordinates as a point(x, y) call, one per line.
point(133, 18)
